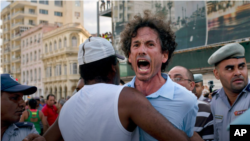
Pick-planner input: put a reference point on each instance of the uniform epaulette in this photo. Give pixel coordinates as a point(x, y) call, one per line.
point(24, 124)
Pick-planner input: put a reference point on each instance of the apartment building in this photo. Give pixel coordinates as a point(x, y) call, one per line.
point(1, 48)
point(59, 55)
point(31, 54)
point(20, 16)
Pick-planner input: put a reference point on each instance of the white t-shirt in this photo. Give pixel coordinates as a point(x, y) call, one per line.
point(92, 115)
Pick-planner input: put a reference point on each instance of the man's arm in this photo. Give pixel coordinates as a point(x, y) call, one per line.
point(53, 133)
point(44, 122)
point(142, 113)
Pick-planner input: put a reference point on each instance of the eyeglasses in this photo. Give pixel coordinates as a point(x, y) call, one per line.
point(180, 79)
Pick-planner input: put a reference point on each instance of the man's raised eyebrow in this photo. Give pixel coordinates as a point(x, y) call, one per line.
point(229, 66)
point(149, 41)
point(243, 63)
point(137, 41)
point(177, 75)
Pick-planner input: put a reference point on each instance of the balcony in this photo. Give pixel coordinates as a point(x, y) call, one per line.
point(16, 48)
point(73, 77)
point(17, 36)
point(16, 70)
point(6, 30)
point(7, 50)
point(105, 8)
point(60, 51)
point(17, 59)
point(6, 41)
point(22, 14)
point(6, 19)
point(13, 26)
point(6, 62)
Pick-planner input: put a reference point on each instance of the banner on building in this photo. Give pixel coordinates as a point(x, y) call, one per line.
point(195, 23)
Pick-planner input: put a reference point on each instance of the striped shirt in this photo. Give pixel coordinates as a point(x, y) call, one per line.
point(204, 121)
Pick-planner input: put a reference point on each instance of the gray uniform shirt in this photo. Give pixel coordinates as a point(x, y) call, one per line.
point(224, 114)
point(18, 131)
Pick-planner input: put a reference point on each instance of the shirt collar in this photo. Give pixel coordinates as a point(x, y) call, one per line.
point(166, 90)
point(12, 129)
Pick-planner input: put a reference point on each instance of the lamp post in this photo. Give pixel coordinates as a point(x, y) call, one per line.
point(170, 4)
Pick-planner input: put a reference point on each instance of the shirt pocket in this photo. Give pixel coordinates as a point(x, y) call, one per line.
point(218, 128)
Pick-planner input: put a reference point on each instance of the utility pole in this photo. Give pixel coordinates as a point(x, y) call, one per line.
point(98, 21)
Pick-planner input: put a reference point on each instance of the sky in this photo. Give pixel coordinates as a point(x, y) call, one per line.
point(90, 17)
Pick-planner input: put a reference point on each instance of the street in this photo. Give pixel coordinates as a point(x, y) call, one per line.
point(193, 34)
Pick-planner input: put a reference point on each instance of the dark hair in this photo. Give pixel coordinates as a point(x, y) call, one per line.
point(156, 22)
point(122, 82)
point(98, 70)
point(50, 95)
point(32, 103)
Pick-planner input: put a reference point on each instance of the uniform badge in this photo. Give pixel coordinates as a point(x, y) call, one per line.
point(237, 113)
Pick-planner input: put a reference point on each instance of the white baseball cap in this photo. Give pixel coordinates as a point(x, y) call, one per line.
point(94, 49)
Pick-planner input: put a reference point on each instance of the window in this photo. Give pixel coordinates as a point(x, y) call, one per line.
point(74, 68)
point(39, 74)
point(46, 48)
point(50, 47)
point(60, 43)
point(58, 24)
point(55, 46)
point(74, 41)
point(23, 59)
point(23, 43)
point(31, 22)
point(34, 38)
point(77, 14)
point(30, 56)
point(58, 14)
point(43, 22)
point(32, 11)
point(58, 3)
point(27, 41)
point(42, 11)
point(78, 3)
point(65, 42)
point(27, 58)
point(30, 40)
point(55, 72)
point(44, 2)
point(35, 56)
point(34, 1)
point(59, 71)
point(23, 77)
point(31, 77)
point(27, 77)
point(39, 54)
point(35, 76)
point(65, 69)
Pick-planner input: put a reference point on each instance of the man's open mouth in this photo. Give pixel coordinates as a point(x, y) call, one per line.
point(143, 65)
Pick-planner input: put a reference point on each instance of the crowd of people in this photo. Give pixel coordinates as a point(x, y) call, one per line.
point(152, 106)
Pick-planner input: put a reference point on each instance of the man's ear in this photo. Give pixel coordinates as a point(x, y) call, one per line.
point(216, 74)
point(113, 68)
point(165, 57)
point(192, 83)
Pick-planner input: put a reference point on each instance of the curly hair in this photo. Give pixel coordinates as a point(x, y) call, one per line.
point(156, 22)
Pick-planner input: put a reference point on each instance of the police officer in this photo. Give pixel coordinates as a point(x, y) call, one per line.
point(198, 79)
point(12, 106)
point(233, 98)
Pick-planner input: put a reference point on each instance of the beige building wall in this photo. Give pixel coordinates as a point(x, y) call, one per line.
point(31, 53)
point(59, 55)
point(20, 16)
point(1, 48)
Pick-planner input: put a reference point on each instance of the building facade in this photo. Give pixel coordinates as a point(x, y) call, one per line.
point(1, 48)
point(59, 55)
point(20, 16)
point(31, 53)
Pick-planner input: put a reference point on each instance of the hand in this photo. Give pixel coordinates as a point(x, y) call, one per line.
point(34, 137)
